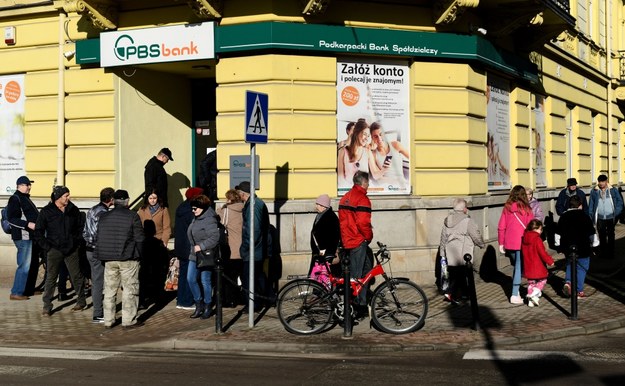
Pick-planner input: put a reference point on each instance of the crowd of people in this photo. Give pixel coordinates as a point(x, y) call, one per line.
point(128, 250)
point(584, 228)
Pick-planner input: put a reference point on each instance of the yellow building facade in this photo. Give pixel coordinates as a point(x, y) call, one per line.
point(499, 94)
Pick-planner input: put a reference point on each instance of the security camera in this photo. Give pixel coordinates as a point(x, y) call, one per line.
point(483, 31)
point(69, 54)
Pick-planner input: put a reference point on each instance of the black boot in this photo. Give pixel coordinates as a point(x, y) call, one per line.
point(207, 311)
point(199, 310)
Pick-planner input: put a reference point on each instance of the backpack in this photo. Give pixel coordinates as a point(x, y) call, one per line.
point(6, 227)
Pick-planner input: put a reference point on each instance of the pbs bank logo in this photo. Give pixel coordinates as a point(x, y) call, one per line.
point(126, 49)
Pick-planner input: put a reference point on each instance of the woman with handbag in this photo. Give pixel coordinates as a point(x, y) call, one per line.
point(324, 239)
point(203, 234)
point(514, 218)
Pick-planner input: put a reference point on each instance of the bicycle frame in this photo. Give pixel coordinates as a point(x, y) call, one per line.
point(358, 284)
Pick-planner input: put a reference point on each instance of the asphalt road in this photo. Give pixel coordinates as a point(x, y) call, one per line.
point(590, 360)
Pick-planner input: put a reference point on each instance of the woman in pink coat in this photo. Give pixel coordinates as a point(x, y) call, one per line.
point(514, 218)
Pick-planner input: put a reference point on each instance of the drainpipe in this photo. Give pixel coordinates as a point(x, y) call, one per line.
point(609, 93)
point(60, 131)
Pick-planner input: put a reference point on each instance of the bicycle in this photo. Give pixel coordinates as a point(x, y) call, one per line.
point(397, 306)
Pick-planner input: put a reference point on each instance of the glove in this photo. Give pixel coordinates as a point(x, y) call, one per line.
point(502, 249)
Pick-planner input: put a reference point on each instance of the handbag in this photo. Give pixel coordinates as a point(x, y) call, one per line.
point(206, 259)
point(171, 282)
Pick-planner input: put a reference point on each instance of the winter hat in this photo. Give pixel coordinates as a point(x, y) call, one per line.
point(192, 192)
point(323, 200)
point(58, 192)
point(571, 182)
point(121, 195)
point(602, 177)
point(243, 186)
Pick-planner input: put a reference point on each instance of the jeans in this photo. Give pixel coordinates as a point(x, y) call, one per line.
point(515, 260)
point(24, 255)
point(124, 274)
point(97, 284)
point(205, 279)
point(184, 296)
point(583, 263)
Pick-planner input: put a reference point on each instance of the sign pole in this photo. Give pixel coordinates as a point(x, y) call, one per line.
point(256, 131)
point(251, 214)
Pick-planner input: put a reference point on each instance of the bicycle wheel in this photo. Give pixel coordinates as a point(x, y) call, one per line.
point(399, 307)
point(304, 307)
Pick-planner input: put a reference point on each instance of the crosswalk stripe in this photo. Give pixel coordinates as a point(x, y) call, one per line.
point(27, 371)
point(514, 355)
point(57, 354)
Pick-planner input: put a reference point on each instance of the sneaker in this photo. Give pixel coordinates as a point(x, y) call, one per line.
point(97, 319)
point(448, 298)
point(581, 295)
point(536, 293)
point(533, 301)
point(188, 308)
point(516, 299)
point(566, 290)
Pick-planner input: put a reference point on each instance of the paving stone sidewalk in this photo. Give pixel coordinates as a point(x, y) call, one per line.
point(447, 326)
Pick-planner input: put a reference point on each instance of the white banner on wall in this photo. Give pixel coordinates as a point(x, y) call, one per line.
point(373, 125)
point(174, 43)
point(12, 100)
point(539, 141)
point(498, 140)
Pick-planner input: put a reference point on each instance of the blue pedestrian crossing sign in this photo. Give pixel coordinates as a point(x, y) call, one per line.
point(256, 114)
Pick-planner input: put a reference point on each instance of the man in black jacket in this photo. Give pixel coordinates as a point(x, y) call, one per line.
point(58, 231)
point(155, 176)
point(22, 215)
point(120, 240)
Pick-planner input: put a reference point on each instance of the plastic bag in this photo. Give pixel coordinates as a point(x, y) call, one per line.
point(171, 283)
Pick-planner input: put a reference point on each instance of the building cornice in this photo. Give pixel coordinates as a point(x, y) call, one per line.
point(447, 11)
point(102, 13)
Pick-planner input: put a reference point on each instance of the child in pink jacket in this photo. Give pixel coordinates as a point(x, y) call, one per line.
point(514, 218)
point(535, 257)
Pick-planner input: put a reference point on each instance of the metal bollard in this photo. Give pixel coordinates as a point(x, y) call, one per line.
point(573, 257)
point(472, 292)
point(219, 312)
point(347, 309)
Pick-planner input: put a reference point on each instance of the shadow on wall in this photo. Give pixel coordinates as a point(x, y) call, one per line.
point(175, 183)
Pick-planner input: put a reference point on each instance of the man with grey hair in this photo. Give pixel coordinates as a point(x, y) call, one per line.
point(119, 244)
point(458, 237)
point(357, 233)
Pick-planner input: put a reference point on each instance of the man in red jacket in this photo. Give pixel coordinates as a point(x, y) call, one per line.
point(357, 232)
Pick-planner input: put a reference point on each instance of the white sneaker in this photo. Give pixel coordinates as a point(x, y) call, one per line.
point(516, 299)
point(533, 301)
point(188, 308)
point(536, 293)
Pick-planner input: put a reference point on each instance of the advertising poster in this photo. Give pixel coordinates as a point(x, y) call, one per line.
point(11, 131)
point(539, 141)
point(373, 125)
point(498, 139)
